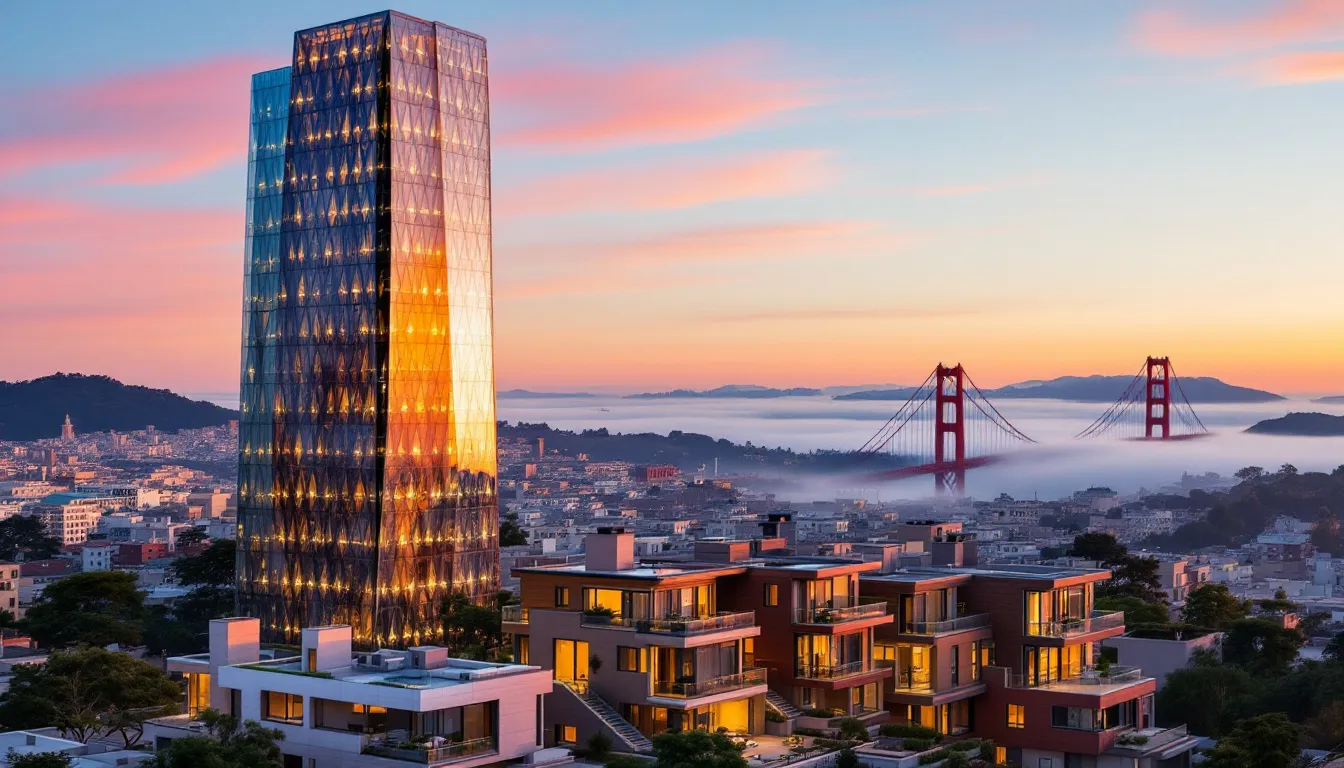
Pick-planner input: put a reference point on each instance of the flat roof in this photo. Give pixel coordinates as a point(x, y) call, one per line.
point(641, 572)
point(1005, 571)
point(455, 672)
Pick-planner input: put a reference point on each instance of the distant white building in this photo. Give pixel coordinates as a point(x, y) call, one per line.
point(97, 558)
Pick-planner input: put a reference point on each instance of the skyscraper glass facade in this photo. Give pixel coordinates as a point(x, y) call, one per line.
point(367, 461)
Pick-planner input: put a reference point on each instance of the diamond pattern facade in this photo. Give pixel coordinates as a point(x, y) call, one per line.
point(367, 466)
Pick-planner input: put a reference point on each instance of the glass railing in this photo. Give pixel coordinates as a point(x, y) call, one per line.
point(716, 623)
point(820, 614)
point(1070, 627)
point(917, 682)
point(604, 620)
point(691, 689)
point(427, 754)
point(1113, 675)
point(831, 671)
point(959, 624)
point(514, 613)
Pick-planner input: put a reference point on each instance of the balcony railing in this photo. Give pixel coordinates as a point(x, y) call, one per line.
point(961, 623)
point(1115, 675)
point(746, 679)
point(1097, 622)
point(429, 755)
point(831, 671)
point(514, 613)
point(674, 625)
point(914, 683)
point(821, 614)
point(716, 623)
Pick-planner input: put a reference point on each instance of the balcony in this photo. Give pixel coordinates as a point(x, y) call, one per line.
point(959, 624)
point(674, 625)
point(432, 755)
point(831, 671)
point(515, 614)
point(748, 678)
point(1115, 675)
point(1099, 621)
point(820, 614)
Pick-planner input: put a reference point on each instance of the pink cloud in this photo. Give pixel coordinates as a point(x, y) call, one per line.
point(1287, 22)
point(1296, 68)
point(150, 127)
point(672, 184)
point(149, 295)
point(978, 188)
point(665, 101)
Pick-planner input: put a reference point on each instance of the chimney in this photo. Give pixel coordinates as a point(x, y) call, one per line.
point(610, 549)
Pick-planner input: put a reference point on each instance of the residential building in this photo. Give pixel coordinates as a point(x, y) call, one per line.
point(9, 589)
point(97, 557)
point(637, 650)
point(70, 522)
point(1011, 653)
point(341, 709)
point(367, 444)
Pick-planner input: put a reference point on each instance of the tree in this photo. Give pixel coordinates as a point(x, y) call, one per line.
point(1325, 533)
point(98, 608)
point(510, 534)
point(1206, 697)
point(227, 746)
point(1325, 729)
point(1134, 576)
point(1260, 646)
point(1334, 650)
point(183, 628)
point(847, 758)
point(1287, 470)
point(1101, 547)
point(190, 537)
point(696, 749)
point(1212, 606)
point(1266, 741)
point(88, 693)
point(214, 567)
point(470, 630)
point(38, 760)
point(1136, 611)
point(853, 729)
point(1249, 474)
point(24, 537)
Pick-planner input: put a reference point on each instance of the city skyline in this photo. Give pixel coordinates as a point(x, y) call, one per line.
point(778, 197)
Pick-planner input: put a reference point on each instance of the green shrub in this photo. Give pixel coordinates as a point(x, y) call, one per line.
point(965, 745)
point(771, 716)
point(599, 745)
point(853, 729)
point(933, 757)
point(909, 730)
point(810, 732)
point(815, 712)
point(917, 745)
point(957, 759)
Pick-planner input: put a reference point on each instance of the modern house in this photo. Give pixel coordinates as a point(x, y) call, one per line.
point(384, 709)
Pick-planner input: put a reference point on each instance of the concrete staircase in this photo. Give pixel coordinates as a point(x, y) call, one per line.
point(626, 736)
point(781, 705)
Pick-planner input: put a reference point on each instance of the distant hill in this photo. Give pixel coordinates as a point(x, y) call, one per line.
point(32, 410)
point(732, 390)
point(1096, 389)
point(1301, 425)
point(1330, 400)
point(525, 394)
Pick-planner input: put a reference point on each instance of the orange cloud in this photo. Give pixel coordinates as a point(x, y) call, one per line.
point(670, 184)
point(151, 127)
point(1294, 68)
point(1174, 33)
point(687, 98)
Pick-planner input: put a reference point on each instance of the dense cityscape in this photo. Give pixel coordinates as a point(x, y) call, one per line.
point(363, 565)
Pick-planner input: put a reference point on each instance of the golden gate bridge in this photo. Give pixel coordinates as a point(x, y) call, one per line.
point(949, 426)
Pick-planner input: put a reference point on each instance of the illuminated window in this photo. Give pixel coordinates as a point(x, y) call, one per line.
point(1000, 755)
point(629, 659)
point(1017, 716)
point(282, 707)
point(198, 693)
point(562, 597)
point(771, 595)
point(566, 734)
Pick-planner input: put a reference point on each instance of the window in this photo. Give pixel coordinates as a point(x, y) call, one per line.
point(975, 661)
point(312, 660)
point(524, 648)
point(956, 665)
point(198, 693)
point(566, 734)
point(630, 659)
point(1017, 716)
point(1076, 718)
point(771, 595)
point(1000, 755)
point(282, 707)
point(562, 597)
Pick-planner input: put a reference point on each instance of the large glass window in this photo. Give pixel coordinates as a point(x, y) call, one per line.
point(282, 707)
point(1051, 613)
point(571, 660)
point(198, 693)
point(1017, 716)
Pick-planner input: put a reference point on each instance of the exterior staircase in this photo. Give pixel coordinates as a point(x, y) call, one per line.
point(625, 732)
point(781, 705)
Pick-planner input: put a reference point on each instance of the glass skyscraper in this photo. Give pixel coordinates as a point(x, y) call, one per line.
point(367, 465)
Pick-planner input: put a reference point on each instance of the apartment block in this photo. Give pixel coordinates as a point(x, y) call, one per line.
point(637, 650)
point(378, 709)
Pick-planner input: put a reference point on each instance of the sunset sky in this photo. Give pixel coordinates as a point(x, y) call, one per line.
point(695, 194)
